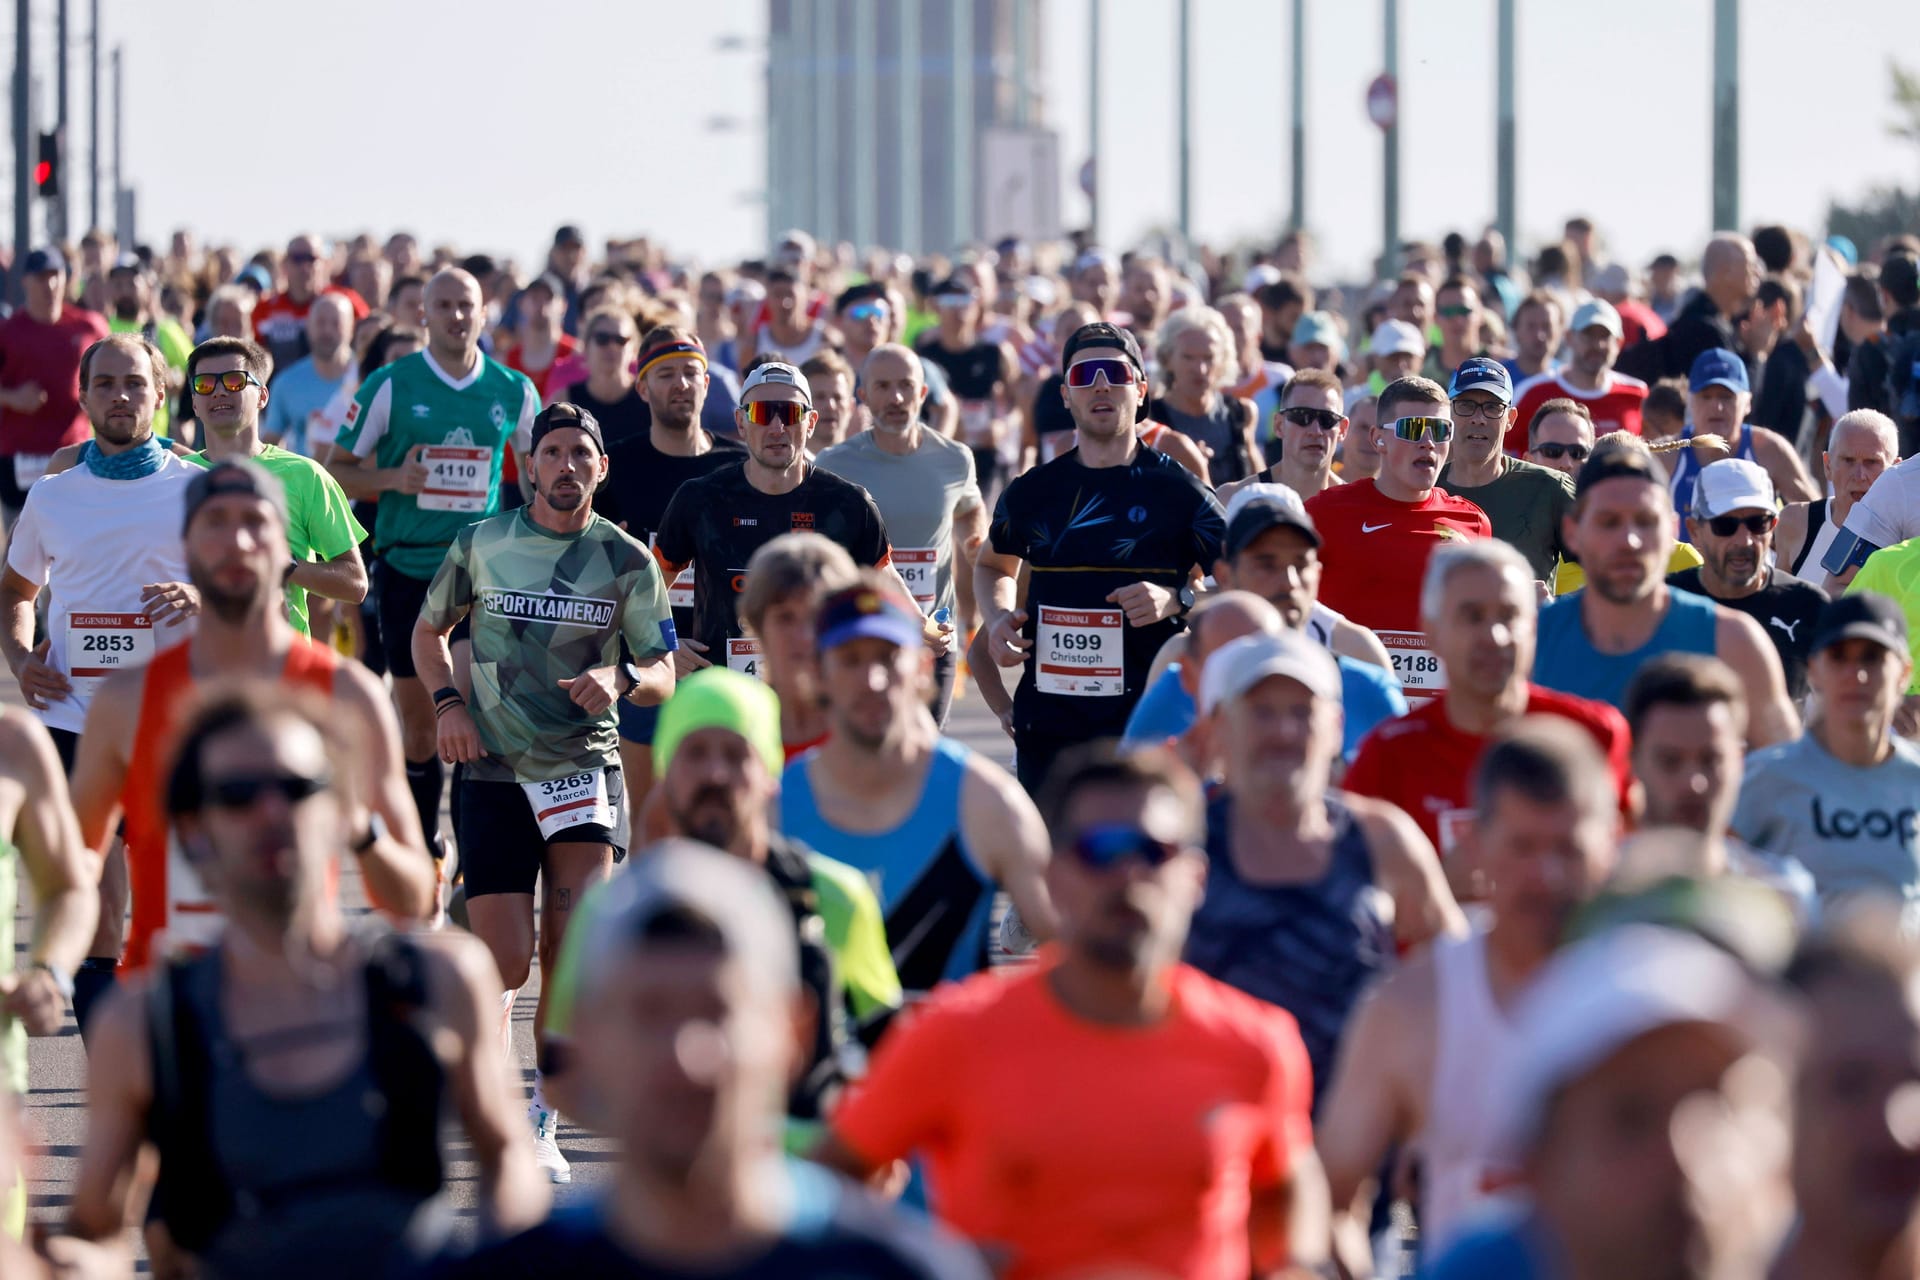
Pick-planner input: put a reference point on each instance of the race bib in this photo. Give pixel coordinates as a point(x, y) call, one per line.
point(581, 799)
point(458, 477)
point(28, 467)
point(916, 566)
point(743, 655)
point(976, 422)
point(1416, 666)
point(1453, 825)
point(193, 919)
point(680, 590)
point(99, 644)
point(1078, 652)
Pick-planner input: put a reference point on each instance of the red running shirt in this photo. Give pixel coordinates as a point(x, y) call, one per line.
point(1615, 407)
point(1374, 549)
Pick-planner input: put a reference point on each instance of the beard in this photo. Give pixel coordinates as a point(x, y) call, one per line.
point(126, 309)
point(708, 816)
point(570, 500)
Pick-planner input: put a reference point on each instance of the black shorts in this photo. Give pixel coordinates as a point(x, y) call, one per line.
point(501, 848)
point(401, 598)
point(66, 743)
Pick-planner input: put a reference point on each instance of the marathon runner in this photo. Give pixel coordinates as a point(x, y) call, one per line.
point(924, 485)
point(1113, 533)
point(1591, 642)
point(934, 825)
point(235, 538)
point(42, 405)
point(1861, 445)
point(982, 375)
point(1612, 399)
point(1888, 513)
point(786, 581)
point(293, 1077)
point(1309, 891)
point(569, 616)
point(1527, 503)
point(1718, 400)
point(1377, 534)
point(1423, 1058)
point(1478, 612)
point(425, 436)
point(1195, 350)
point(1308, 426)
point(1733, 523)
point(715, 523)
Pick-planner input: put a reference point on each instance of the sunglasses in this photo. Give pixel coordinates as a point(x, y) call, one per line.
point(242, 790)
point(1117, 372)
point(1104, 848)
point(235, 380)
point(954, 301)
point(1324, 419)
point(1438, 430)
point(303, 258)
point(1455, 313)
point(1553, 451)
point(1757, 524)
point(763, 413)
point(866, 311)
point(610, 338)
point(1489, 409)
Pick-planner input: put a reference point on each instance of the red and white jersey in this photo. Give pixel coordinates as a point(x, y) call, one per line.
point(1615, 406)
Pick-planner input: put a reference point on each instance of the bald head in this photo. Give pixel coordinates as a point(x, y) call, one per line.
point(1730, 271)
point(892, 360)
point(893, 386)
point(1863, 429)
point(1219, 618)
point(454, 315)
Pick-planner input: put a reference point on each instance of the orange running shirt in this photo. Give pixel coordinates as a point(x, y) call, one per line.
point(1059, 1144)
point(158, 902)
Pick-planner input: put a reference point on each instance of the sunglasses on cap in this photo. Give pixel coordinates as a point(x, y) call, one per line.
point(1553, 451)
point(611, 338)
point(242, 790)
point(762, 413)
point(1756, 524)
point(1324, 419)
point(235, 380)
point(1438, 430)
point(1118, 372)
point(867, 311)
point(1104, 848)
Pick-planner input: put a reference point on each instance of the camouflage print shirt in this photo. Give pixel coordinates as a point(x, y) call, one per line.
point(546, 607)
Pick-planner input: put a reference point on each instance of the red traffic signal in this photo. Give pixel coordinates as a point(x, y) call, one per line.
point(46, 172)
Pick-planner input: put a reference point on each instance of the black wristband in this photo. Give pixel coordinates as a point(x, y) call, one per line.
point(441, 708)
point(445, 694)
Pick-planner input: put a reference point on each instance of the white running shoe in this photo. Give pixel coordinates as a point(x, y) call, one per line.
point(546, 1150)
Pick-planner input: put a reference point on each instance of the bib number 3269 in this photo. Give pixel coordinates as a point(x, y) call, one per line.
point(574, 801)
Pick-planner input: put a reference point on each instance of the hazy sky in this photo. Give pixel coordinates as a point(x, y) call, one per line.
point(487, 122)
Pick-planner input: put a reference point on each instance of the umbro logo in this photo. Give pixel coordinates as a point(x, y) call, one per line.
point(420, 410)
point(1373, 528)
point(1789, 628)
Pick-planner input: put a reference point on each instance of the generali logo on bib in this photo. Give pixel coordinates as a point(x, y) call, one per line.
point(561, 610)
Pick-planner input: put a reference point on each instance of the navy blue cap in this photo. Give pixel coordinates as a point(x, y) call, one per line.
point(43, 260)
point(1718, 367)
point(1480, 373)
point(862, 612)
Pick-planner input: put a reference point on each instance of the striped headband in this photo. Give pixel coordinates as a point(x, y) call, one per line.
point(671, 351)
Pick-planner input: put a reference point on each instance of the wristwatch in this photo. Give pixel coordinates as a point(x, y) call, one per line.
point(375, 832)
point(631, 674)
point(62, 980)
point(1187, 599)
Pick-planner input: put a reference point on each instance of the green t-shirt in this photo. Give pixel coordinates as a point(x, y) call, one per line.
point(320, 523)
point(1894, 572)
point(546, 607)
point(1526, 505)
point(174, 344)
point(414, 402)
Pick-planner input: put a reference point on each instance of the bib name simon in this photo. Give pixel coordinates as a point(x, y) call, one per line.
point(561, 610)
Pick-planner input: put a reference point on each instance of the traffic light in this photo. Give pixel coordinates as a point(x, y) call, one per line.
point(46, 170)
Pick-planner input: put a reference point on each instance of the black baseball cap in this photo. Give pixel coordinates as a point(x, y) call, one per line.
point(859, 293)
point(1102, 334)
point(41, 261)
point(1865, 615)
point(1266, 511)
point(562, 414)
point(568, 235)
point(1613, 464)
point(241, 476)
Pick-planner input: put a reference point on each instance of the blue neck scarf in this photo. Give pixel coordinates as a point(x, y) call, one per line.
point(141, 460)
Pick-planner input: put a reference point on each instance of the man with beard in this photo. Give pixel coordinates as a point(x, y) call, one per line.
point(1109, 1110)
point(1732, 523)
point(569, 616)
point(1421, 1050)
point(130, 297)
point(295, 1076)
point(1612, 399)
point(719, 757)
point(1591, 643)
point(236, 552)
point(934, 824)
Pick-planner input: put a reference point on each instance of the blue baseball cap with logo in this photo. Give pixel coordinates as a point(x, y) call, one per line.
point(862, 613)
point(1481, 373)
point(1718, 367)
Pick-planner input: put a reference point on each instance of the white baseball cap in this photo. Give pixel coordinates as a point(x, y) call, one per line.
point(1260, 275)
point(1238, 665)
point(780, 374)
point(1731, 484)
point(1396, 337)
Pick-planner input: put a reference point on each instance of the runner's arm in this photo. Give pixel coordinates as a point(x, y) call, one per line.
point(1185, 452)
point(1409, 870)
point(1351, 640)
point(400, 875)
point(513, 1193)
point(1003, 829)
point(1289, 1222)
point(1742, 645)
point(119, 1096)
point(431, 656)
point(1365, 1109)
point(1171, 652)
point(1782, 462)
point(65, 894)
point(17, 595)
point(1790, 534)
point(969, 535)
point(342, 578)
point(100, 762)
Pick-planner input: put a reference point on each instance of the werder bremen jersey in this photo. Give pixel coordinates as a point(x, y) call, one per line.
point(546, 607)
point(462, 424)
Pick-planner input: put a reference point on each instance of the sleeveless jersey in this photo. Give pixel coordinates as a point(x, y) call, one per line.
point(167, 892)
point(466, 423)
point(1687, 468)
point(1566, 659)
point(1472, 1039)
point(1820, 530)
point(935, 896)
point(1310, 947)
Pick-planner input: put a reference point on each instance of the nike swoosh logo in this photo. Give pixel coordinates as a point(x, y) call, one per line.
point(1372, 528)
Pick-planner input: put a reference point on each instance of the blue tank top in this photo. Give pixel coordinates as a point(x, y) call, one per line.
point(936, 899)
point(1686, 472)
point(1309, 948)
point(1566, 659)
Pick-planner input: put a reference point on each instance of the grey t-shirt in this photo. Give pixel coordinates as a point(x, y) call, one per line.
point(1854, 829)
point(918, 495)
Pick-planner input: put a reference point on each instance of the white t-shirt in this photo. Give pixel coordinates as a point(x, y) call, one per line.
point(1890, 512)
point(92, 544)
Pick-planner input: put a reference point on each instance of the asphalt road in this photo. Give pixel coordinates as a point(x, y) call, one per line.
point(57, 1102)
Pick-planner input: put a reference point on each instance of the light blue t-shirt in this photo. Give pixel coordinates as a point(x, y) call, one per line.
point(1369, 694)
point(1854, 829)
point(299, 393)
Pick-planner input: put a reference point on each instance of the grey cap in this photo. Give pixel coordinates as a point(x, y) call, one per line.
point(780, 374)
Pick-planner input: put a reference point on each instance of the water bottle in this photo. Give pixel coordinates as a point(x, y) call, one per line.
point(943, 616)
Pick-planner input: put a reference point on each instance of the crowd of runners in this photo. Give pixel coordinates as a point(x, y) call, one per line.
point(1463, 811)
